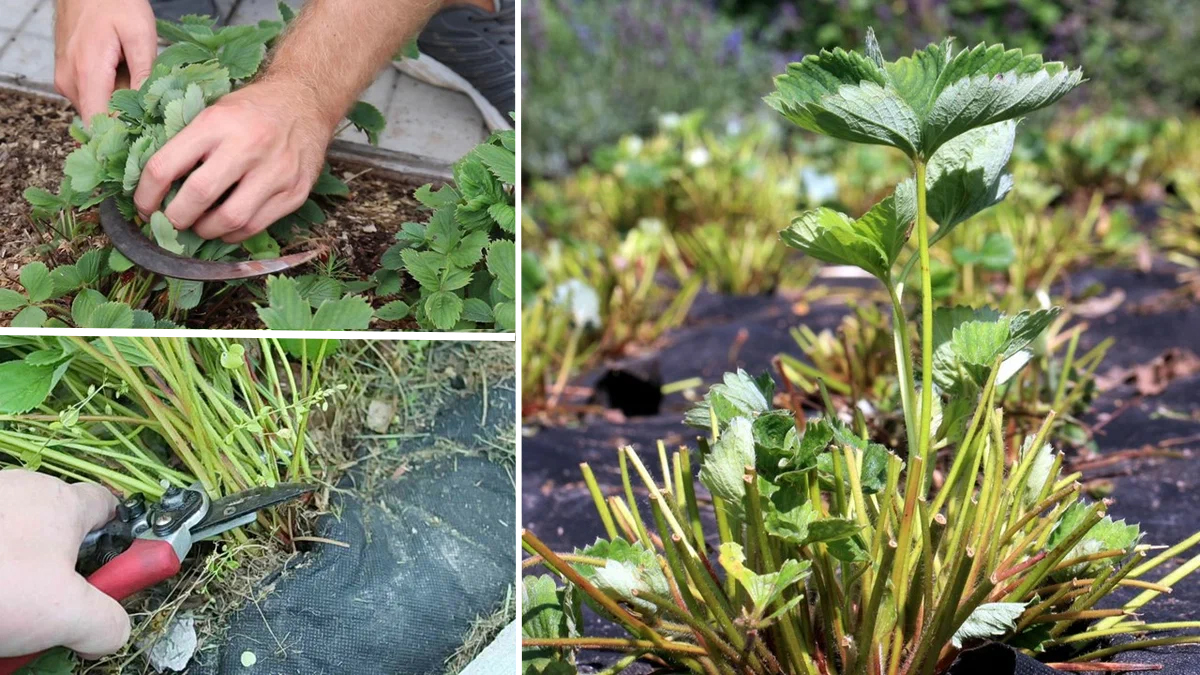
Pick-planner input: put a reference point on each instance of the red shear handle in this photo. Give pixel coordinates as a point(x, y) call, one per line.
point(146, 563)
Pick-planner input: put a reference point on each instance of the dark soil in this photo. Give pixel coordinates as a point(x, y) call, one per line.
point(34, 143)
point(723, 333)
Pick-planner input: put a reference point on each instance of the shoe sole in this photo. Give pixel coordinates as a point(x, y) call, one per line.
point(431, 71)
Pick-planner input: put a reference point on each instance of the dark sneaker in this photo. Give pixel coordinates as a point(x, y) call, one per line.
point(473, 51)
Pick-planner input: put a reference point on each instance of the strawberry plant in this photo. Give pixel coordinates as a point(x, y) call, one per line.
point(464, 259)
point(203, 64)
point(839, 554)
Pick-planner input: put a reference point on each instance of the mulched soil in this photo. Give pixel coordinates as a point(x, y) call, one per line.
point(34, 142)
point(1159, 313)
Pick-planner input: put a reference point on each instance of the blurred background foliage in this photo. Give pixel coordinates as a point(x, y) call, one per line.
point(653, 171)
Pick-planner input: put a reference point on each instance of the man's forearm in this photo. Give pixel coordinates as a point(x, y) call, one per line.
point(334, 48)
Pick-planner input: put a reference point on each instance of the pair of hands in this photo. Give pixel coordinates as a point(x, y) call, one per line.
point(265, 140)
point(43, 602)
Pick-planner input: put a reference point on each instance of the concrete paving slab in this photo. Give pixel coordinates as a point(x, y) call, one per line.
point(432, 122)
point(423, 121)
point(41, 20)
point(13, 13)
point(29, 57)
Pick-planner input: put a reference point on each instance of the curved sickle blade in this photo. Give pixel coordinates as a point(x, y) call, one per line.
point(129, 240)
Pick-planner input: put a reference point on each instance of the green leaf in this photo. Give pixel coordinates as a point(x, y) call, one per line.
point(845, 95)
point(500, 161)
point(502, 263)
point(918, 103)
point(10, 300)
point(57, 661)
point(434, 199)
point(91, 265)
point(286, 12)
point(1039, 472)
point(506, 316)
point(367, 119)
point(989, 620)
point(180, 112)
point(630, 568)
point(393, 311)
point(547, 612)
point(763, 589)
point(871, 243)
point(24, 387)
point(505, 216)
point(85, 171)
point(135, 161)
point(988, 84)
point(35, 278)
point(330, 185)
point(739, 395)
point(110, 315)
point(30, 317)
point(65, 278)
point(286, 309)
point(44, 199)
point(424, 266)
point(1106, 535)
point(724, 469)
point(117, 262)
point(84, 303)
point(444, 309)
point(968, 341)
point(349, 313)
point(469, 249)
point(173, 32)
point(242, 56)
point(966, 175)
point(165, 233)
point(185, 293)
point(791, 525)
point(262, 246)
point(477, 311)
point(178, 54)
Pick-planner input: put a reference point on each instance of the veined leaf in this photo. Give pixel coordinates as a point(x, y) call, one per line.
point(919, 103)
point(35, 278)
point(629, 568)
point(739, 395)
point(502, 263)
point(444, 308)
point(967, 341)
point(989, 620)
point(725, 467)
point(966, 176)
point(871, 243)
point(547, 611)
point(367, 119)
point(763, 589)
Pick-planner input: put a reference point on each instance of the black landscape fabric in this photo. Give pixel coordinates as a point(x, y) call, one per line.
point(1161, 495)
point(430, 551)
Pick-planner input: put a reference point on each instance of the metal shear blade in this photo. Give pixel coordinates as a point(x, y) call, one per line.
point(242, 508)
point(129, 240)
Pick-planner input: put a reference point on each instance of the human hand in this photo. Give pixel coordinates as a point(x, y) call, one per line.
point(267, 141)
point(91, 39)
point(43, 602)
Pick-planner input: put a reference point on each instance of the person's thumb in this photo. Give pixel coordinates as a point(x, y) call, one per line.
point(101, 623)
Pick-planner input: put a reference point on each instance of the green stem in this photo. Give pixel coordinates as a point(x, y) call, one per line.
point(924, 438)
point(904, 366)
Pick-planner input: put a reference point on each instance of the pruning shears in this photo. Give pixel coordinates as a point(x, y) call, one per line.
point(145, 544)
point(129, 240)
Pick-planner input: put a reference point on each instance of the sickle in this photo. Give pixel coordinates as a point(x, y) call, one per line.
point(129, 240)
